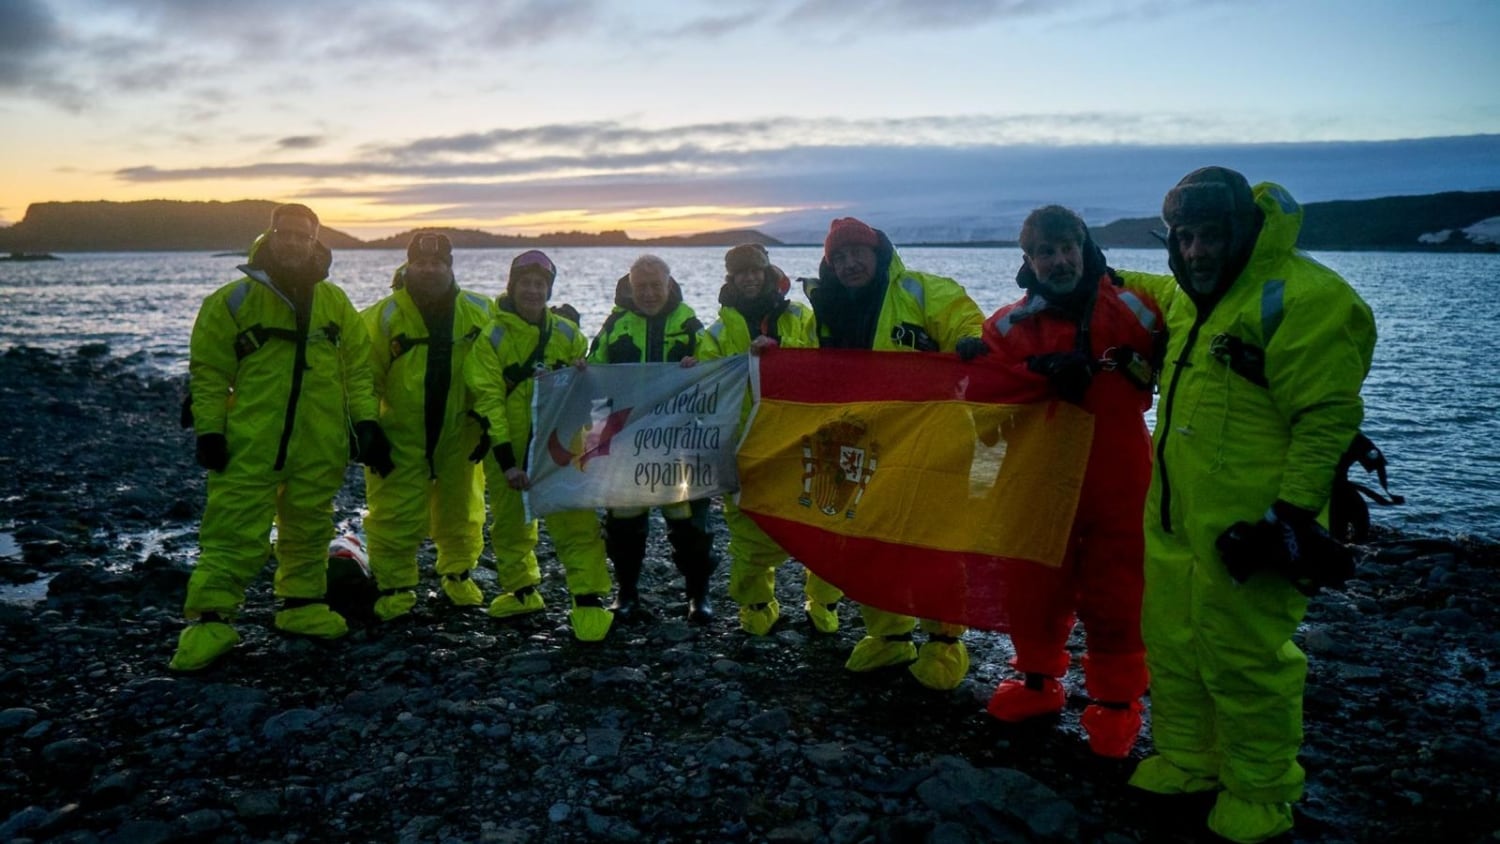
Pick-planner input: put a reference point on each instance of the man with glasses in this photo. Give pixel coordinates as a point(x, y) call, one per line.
point(865, 298)
point(280, 366)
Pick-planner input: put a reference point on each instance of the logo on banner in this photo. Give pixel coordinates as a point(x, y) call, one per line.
point(837, 465)
point(592, 439)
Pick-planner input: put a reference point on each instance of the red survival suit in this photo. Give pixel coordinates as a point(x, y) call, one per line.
point(1101, 576)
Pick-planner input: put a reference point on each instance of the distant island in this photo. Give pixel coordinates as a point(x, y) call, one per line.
point(1434, 222)
point(1441, 222)
point(163, 225)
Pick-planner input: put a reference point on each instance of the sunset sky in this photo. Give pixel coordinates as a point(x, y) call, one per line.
point(668, 117)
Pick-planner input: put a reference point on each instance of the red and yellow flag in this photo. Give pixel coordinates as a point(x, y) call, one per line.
point(912, 481)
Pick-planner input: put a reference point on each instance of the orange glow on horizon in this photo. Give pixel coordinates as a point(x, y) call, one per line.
point(359, 219)
point(636, 222)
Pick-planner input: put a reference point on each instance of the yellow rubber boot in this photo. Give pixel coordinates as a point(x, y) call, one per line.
point(758, 619)
point(824, 617)
point(941, 665)
point(1159, 776)
point(874, 652)
point(520, 602)
point(201, 644)
point(1245, 822)
point(462, 591)
point(393, 606)
point(590, 620)
point(315, 620)
point(822, 603)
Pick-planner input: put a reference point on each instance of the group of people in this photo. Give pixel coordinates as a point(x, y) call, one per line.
point(1191, 549)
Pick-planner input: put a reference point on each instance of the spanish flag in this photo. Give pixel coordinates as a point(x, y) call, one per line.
point(913, 482)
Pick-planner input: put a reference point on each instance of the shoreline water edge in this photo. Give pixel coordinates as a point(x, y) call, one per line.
point(456, 726)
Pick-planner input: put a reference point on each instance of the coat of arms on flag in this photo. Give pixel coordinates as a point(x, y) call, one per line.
point(911, 481)
point(838, 463)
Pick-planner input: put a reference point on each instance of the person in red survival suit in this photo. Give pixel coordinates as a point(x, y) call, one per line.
point(1093, 341)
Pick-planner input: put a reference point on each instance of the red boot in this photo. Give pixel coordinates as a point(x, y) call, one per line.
point(1112, 728)
point(1019, 700)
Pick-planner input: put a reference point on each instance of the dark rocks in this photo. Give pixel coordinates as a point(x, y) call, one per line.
point(290, 724)
point(451, 726)
point(17, 719)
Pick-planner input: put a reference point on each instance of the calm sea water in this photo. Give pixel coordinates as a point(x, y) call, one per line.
point(1432, 399)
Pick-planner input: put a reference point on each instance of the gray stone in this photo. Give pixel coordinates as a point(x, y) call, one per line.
point(72, 752)
point(26, 820)
point(1463, 752)
point(604, 742)
point(800, 832)
point(256, 805)
point(728, 668)
point(849, 828)
point(17, 718)
point(826, 755)
point(772, 722)
point(284, 725)
point(201, 823)
point(620, 676)
point(1414, 633)
point(721, 710)
point(374, 701)
point(1321, 641)
point(959, 790)
point(723, 750)
point(420, 829)
point(114, 789)
point(949, 832)
point(530, 664)
point(1450, 617)
point(143, 832)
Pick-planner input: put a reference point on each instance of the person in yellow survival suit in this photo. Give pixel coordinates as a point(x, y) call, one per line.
point(755, 314)
point(865, 298)
point(1267, 352)
point(421, 336)
point(524, 338)
point(279, 364)
point(1093, 342)
point(651, 323)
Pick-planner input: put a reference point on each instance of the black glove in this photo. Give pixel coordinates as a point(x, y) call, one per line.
point(481, 449)
point(1069, 373)
point(374, 448)
point(212, 452)
point(1288, 541)
point(505, 456)
point(969, 348)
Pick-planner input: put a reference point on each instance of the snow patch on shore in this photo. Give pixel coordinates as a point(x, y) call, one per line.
point(1484, 231)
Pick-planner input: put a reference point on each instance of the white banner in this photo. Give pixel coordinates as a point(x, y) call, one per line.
point(634, 434)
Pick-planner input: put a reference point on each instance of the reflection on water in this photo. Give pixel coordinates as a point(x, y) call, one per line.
point(25, 594)
point(1432, 399)
point(142, 544)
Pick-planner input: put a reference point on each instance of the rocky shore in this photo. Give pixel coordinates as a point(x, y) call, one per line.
point(456, 727)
